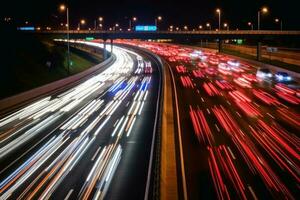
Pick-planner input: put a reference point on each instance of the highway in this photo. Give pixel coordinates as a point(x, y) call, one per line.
point(238, 134)
point(91, 141)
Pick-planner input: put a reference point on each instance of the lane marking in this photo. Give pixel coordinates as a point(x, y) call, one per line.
point(94, 156)
point(217, 127)
point(69, 194)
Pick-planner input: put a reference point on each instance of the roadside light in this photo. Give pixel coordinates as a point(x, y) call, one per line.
point(62, 7)
point(264, 10)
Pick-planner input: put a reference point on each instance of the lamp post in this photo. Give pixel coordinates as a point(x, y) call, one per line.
point(63, 8)
point(200, 27)
point(218, 10)
point(251, 25)
point(226, 26)
point(100, 19)
point(157, 19)
point(208, 26)
point(262, 10)
point(116, 26)
point(82, 22)
point(131, 22)
point(277, 20)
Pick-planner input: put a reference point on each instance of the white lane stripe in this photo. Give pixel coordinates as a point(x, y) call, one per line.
point(69, 194)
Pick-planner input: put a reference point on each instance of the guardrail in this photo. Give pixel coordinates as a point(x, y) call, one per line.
point(19, 100)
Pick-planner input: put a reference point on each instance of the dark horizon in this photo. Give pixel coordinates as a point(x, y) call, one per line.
point(177, 13)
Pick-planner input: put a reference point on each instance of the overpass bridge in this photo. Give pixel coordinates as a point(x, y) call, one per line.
point(257, 35)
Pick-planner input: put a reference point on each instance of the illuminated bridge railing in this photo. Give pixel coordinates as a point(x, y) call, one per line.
point(235, 32)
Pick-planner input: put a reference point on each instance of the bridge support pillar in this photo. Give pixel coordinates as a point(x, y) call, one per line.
point(104, 49)
point(258, 51)
point(111, 45)
point(220, 45)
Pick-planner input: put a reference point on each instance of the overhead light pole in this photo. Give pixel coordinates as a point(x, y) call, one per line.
point(226, 26)
point(157, 19)
point(208, 26)
point(131, 22)
point(251, 25)
point(263, 11)
point(218, 10)
point(100, 19)
point(277, 20)
point(66, 8)
point(82, 22)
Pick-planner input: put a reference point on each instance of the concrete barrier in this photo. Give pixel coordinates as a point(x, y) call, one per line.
point(19, 100)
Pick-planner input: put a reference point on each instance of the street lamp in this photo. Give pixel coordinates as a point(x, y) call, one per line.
point(62, 8)
point(185, 28)
point(263, 11)
point(200, 27)
point(226, 26)
point(116, 26)
point(82, 22)
point(218, 10)
point(277, 20)
point(100, 19)
point(208, 26)
point(157, 19)
point(251, 25)
point(131, 22)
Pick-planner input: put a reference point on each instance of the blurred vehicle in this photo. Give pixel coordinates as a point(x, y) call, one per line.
point(224, 68)
point(148, 67)
point(211, 71)
point(264, 73)
point(282, 77)
point(234, 63)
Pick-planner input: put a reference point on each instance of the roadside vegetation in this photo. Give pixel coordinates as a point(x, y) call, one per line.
point(28, 62)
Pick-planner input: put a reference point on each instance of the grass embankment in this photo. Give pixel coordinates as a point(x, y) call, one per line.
point(28, 62)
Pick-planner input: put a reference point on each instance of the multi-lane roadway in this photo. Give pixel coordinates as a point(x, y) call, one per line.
point(90, 141)
point(238, 134)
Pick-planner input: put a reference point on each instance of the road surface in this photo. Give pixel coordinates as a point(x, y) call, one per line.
point(238, 135)
point(90, 141)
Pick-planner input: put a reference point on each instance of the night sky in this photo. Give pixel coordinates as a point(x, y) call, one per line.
point(188, 12)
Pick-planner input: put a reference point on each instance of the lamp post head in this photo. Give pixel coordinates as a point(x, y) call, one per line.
point(264, 10)
point(62, 7)
point(134, 19)
point(218, 10)
point(82, 22)
point(159, 18)
point(100, 19)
